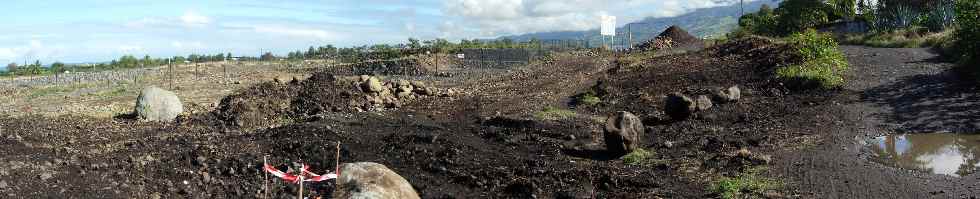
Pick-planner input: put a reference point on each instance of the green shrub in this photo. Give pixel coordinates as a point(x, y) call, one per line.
point(968, 32)
point(637, 157)
point(823, 63)
point(747, 183)
point(587, 98)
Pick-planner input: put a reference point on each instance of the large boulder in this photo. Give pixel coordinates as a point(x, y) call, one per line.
point(729, 95)
point(623, 133)
point(678, 106)
point(372, 180)
point(156, 104)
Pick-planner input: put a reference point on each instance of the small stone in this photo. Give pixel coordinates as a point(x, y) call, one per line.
point(403, 94)
point(3, 184)
point(729, 95)
point(703, 103)
point(46, 176)
point(155, 195)
point(373, 84)
point(206, 177)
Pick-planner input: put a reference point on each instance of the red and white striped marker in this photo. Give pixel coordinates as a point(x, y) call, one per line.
point(307, 175)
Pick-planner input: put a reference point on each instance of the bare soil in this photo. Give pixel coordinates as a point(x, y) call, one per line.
point(485, 141)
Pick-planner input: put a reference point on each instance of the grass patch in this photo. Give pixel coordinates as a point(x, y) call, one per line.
point(587, 99)
point(823, 62)
point(112, 93)
point(552, 113)
point(906, 38)
point(635, 59)
point(748, 184)
point(53, 90)
point(638, 157)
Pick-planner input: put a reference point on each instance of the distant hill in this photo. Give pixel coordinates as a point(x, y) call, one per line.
point(705, 22)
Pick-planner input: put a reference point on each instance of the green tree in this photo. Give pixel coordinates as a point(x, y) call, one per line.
point(267, 57)
point(414, 44)
point(35, 69)
point(762, 22)
point(968, 31)
point(799, 15)
point(846, 9)
point(58, 67)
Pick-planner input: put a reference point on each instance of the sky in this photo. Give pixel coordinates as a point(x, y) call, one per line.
point(77, 31)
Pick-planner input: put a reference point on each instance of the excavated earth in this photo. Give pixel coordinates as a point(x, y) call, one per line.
point(487, 141)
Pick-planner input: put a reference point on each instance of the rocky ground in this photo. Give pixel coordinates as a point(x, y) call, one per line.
point(518, 133)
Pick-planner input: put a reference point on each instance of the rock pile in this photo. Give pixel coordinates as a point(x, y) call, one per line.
point(392, 93)
point(679, 106)
point(271, 103)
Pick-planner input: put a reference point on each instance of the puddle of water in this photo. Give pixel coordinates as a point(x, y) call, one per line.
point(939, 153)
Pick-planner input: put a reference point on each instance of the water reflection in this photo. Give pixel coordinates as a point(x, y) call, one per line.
point(939, 153)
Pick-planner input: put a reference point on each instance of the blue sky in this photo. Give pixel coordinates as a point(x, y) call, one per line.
point(91, 31)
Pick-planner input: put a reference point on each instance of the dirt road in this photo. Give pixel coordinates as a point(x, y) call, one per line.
point(888, 91)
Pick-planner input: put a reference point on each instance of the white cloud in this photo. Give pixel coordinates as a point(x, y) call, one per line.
point(193, 19)
point(189, 19)
point(480, 17)
point(33, 49)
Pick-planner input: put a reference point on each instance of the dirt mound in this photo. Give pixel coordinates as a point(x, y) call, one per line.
point(766, 53)
point(678, 35)
point(274, 103)
point(671, 38)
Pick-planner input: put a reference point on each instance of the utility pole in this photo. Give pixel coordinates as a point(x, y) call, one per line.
point(741, 4)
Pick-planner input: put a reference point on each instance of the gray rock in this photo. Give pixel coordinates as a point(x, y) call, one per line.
point(623, 133)
point(729, 95)
point(156, 104)
point(3, 184)
point(46, 175)
point(704, 103)
point(679, 106)
point(373, 84)
point(419, 85)
point(372, 180)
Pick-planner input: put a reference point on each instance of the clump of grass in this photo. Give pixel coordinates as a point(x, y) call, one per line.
point(905, 38)
point(638, 157)
point(552, 113)
point(823, 62)
point(744, 185)
point(587, 98)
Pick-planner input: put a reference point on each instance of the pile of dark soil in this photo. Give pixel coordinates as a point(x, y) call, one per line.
point(672, 37)
point(271, 103)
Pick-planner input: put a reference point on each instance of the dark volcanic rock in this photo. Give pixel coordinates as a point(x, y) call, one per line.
point(678, 106)
point(623, 133)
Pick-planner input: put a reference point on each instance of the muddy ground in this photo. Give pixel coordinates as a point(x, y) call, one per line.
point(489, 141)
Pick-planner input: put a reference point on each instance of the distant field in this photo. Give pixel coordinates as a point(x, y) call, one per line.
point(111, 93)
